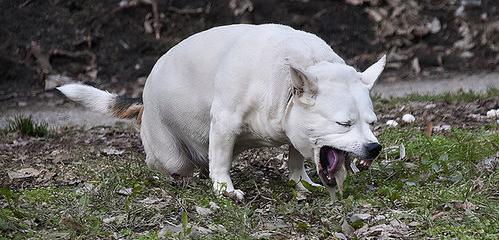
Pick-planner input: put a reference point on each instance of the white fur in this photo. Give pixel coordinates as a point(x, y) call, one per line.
point(88, 96)
point(228, 89)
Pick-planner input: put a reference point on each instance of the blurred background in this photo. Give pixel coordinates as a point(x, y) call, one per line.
point(113, 44)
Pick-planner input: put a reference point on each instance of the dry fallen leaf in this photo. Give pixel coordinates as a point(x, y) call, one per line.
point(23, 173)
point(437, 215)
point(347, 229)
point(429, 129)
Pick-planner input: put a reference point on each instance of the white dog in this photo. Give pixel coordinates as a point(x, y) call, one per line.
point(236, 87)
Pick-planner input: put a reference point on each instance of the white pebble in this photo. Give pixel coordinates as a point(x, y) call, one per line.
point(445, 127)
point(429, 106)
point(392, 123)
point(408, 118)
point(493, 113)
point(441, 128)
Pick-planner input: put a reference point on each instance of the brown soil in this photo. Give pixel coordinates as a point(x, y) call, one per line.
point(96, 42)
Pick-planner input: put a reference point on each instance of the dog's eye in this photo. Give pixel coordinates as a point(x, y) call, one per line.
point(372, 123)
point(344, 124)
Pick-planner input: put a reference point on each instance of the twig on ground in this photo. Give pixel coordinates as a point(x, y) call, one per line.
point(41, 58)
point(186, 10)
point(92, 62)
point(156, 22)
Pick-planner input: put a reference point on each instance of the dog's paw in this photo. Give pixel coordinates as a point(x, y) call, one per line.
point(236, 195)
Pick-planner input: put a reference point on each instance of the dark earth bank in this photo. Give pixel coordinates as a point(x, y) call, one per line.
point(113, 44)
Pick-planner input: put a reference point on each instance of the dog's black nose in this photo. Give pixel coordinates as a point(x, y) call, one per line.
point(373, 149)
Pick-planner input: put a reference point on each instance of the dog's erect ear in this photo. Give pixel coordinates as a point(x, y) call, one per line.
point(369, 76)
point(304, 86)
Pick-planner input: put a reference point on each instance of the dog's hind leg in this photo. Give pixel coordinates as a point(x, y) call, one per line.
point(297, 171)
point(164, 150)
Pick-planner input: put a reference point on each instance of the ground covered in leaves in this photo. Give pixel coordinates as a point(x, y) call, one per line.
point(430, 182)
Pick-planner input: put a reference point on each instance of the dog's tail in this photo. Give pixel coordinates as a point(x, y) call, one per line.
point(104, 102)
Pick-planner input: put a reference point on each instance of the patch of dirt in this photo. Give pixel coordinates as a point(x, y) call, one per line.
point(54, 156)
point(452, 113)
point(103, 44)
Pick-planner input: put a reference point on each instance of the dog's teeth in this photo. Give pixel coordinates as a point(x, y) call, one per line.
point(354, 168)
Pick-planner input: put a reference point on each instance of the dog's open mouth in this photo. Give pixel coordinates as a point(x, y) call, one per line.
point(329, 159)
point(329, 162)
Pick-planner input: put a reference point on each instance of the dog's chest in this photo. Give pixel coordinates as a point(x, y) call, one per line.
point(251, 138)
point(251, 141)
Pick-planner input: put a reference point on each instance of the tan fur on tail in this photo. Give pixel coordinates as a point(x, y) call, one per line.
point(121, 109)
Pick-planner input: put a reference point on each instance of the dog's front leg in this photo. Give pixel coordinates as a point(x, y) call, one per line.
point(297, 171)
point(222, 138)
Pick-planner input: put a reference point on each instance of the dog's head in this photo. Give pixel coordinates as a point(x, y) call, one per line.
point(330, 116)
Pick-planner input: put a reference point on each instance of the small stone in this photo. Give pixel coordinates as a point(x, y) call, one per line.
point(392, 123)
point(493, 113)
point(489, 164)
point(414, 224)
point(430, 106)
point(434, 25)
point(442, 128)
point(280, 156)
point(125, 191)
point(445, 127)
point(340, 236)
point(359, 217)
point(118, 219)
point(203, 211)
point(409, 183)
point(213, 206)
point(466, 54)
point(408, 118)
point(112, 151)
point(217, 228)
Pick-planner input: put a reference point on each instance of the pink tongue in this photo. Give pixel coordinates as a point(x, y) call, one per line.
point(332, 159)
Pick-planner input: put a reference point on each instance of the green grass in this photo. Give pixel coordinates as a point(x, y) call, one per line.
point(438, 177)
point(443, 176)
point(25, 125)
point(460, 96)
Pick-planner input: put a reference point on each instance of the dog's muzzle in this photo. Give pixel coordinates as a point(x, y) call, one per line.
point(330, 159)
